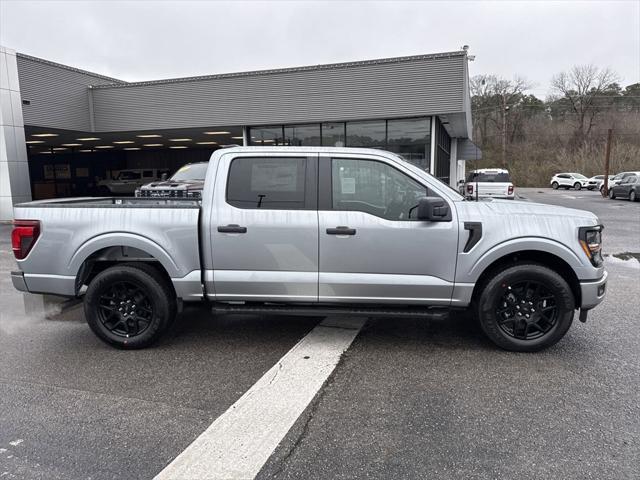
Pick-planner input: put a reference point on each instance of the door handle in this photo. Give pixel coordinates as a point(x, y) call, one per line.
point(233, 228)
point(341, 231)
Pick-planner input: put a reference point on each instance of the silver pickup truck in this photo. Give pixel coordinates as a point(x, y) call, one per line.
point(314, 231)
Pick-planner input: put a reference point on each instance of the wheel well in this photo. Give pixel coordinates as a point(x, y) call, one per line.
point(549, 260)
point(109, 256)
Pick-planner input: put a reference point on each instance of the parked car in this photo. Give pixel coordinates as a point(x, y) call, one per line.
point(187, 182)
point(314, 231)
point(126, 181)
point(489, 183)
point(619, 178)
point(576, 181)
point(629, 188)
point(597, 182)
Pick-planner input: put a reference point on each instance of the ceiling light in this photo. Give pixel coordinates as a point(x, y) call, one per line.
point(206, 143)
point(103, 146)
point(217, 133)
point(44, 134)
point(59, 149)
point(179, 139)
point(178, 146)
point(44, 151)
point(87, 139)
point(124, 142)
point(132, 148)
point(71, 144)
point(85, 150)
point(152, 144)
point(151, 135)
point(33, 142)
point(237, 138)
point(268, 140)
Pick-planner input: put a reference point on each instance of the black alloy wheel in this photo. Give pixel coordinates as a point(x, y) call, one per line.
point(527, 310)
point(525, 307)
point(125, 309)
point(130, 305)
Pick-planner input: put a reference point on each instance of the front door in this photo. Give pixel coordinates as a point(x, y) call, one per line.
point(372, 248)
point(265, 228)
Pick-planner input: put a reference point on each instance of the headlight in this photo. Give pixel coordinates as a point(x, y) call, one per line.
point(591, 242)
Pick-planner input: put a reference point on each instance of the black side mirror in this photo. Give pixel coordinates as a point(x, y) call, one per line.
point(434, 209)
point(461, 182)
point(163, 177)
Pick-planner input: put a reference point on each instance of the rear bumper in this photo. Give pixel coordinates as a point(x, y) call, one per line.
point(17, 278)
point(593, 292)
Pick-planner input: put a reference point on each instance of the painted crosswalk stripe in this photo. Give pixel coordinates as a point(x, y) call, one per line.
point(241, 440)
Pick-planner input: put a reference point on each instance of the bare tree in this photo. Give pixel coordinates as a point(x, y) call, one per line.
point(582, 87)
point(493, 98)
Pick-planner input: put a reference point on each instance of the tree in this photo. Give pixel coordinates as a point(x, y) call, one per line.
point(583, 91)
point(493, 97)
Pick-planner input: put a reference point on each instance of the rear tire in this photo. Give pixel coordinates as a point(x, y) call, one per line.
point(129, 306)
point(577, 186)
point(525, 307)
point(555, 185)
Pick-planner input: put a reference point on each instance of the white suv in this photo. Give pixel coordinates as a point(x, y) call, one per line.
point(489, 183)
point(569, 180)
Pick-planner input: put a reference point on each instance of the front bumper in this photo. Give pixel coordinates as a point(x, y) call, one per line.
point(17, 278)
point(593, 293)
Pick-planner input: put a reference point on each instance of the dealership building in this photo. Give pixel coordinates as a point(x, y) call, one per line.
point(65, 129)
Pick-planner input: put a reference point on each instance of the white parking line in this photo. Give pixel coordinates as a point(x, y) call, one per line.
point(241, 440)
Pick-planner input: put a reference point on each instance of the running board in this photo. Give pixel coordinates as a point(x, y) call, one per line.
point(323, 311)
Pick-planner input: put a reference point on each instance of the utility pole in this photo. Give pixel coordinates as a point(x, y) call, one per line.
point(505, 108)
point(605, 190)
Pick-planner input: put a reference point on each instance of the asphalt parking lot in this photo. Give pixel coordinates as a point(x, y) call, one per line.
point(409, 398)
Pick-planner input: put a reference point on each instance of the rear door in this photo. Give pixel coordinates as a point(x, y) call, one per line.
point(264, 228)
point(372, 248)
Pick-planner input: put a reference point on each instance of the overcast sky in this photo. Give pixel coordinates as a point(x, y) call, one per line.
point(145, 40)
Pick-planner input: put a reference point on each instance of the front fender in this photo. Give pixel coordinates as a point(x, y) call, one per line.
point(471, 266)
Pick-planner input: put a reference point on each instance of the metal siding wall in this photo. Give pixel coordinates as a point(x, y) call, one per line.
point(384, 90)
point(58, 95)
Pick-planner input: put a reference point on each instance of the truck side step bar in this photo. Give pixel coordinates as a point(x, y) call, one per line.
point(321, 311)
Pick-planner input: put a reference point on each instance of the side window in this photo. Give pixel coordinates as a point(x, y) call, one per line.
point(376, 188)
point(271, 183)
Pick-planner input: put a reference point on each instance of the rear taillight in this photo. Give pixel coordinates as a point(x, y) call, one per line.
point(23, 236)
point(470, 189)
point(510, 190)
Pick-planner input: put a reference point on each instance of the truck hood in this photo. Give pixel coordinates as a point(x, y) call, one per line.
point(518, 209)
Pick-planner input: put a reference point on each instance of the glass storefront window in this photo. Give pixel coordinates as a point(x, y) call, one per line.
point(333, 134)
point(410, 138)
point(298, 135)
point(366, 134)
point(265, 136)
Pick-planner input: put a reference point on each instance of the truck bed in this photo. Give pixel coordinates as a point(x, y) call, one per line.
point(75, 230)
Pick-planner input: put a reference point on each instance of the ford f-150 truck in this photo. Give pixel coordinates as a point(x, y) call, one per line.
point(314, 231)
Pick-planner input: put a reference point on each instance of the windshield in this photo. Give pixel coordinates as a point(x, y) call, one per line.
point(580, 176)
point(125, 175)
point(488, 177)
point(194, 171)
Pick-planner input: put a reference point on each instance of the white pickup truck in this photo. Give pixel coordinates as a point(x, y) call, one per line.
point(314, 231)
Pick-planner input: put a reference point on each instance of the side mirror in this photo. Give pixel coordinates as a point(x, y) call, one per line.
point(434, 209)
point(163, 177)
point(461, 182)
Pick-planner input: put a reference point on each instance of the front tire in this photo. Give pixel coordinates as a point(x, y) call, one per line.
point(555, 185)
point(632, 196)
point(129, 306)
point(525, 308)
point(577, 186)
point(612, 195)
